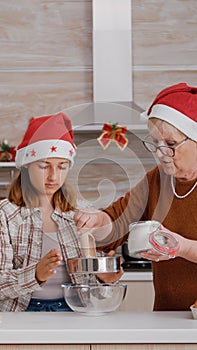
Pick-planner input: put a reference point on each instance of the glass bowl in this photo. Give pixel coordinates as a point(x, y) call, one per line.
point(94, 299)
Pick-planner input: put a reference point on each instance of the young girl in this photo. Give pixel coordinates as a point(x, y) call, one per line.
point(37, 230)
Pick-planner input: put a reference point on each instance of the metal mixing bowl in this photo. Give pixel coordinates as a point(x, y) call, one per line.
point(104, 264)
point(95, 300)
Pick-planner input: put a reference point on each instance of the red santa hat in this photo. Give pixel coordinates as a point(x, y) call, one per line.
point(46, 137)
point(177, 105)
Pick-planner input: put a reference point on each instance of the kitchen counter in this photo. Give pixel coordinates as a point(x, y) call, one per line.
point(117, 327)
point(137, 276)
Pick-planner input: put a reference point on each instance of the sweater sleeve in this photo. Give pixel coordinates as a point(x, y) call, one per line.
point(124, 211)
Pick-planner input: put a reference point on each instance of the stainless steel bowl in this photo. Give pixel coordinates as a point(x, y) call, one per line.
point(94, 300)
point(104, 264)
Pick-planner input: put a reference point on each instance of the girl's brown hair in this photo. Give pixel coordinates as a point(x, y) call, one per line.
point(23, 194)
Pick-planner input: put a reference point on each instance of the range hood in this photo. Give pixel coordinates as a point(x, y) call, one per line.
point(112, 70)
point(112, 51)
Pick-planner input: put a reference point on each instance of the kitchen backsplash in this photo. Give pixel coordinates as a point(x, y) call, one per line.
point(100, 176)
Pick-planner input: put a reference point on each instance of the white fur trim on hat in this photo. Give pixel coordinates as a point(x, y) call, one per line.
point(44, 149)
point(181, 121)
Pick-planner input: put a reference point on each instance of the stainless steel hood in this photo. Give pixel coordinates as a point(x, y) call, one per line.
point(112, 50)
point(92, 116)
point(112, 70)
point(112, 62)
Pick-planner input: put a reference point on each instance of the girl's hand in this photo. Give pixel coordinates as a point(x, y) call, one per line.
point(45, 268)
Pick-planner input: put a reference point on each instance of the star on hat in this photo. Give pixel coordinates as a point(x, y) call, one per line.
point(46, 137)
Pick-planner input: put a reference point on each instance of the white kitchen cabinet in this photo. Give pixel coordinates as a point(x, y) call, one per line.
point(99, 347)
point(139, 296)
point(45, 347)
point(144, 347)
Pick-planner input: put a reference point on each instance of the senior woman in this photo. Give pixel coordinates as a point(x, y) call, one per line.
point(168, 194)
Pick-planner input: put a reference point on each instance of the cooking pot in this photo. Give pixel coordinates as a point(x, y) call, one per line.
point(145, 235)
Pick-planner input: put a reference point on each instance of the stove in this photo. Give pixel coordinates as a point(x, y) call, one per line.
point(132, 264)
point(137, 265)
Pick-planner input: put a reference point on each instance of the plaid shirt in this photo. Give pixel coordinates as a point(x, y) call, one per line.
point(21, 246)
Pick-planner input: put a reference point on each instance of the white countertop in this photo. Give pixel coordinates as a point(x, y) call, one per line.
point(137, 276)
point(117, 327)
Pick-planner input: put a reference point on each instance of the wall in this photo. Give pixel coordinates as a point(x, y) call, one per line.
point(101, 176)
point(45, 60)
point(164, 45)
point(46, 55)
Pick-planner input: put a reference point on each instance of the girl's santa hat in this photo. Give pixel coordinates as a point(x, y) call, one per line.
point(46, 137)
point(177, 105)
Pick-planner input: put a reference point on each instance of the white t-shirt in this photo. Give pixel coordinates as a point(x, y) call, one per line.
point(52, 289)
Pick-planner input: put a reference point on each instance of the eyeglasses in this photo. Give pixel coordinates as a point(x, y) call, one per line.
point(168, 151)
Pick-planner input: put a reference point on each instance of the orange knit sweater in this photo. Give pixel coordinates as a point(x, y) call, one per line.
point(175, 281)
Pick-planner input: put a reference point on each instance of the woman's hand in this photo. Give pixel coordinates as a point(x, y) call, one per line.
point(111, 277)
point(45, 268)
point(184, 250)
point(153, 255)
point(94, 221)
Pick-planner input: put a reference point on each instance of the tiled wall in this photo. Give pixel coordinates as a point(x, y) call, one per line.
point(101, 176)
point(46, 55)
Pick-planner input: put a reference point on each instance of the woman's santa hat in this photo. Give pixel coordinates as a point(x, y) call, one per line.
point(177, 105)
point(46, 137)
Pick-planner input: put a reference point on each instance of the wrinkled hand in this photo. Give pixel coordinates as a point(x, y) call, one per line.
point(94, 221)
point(154, 255)
point(45, 268)
point(112, 276)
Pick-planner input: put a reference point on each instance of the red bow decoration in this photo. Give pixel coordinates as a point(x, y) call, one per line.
point(7, 153)
point(113, 132)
